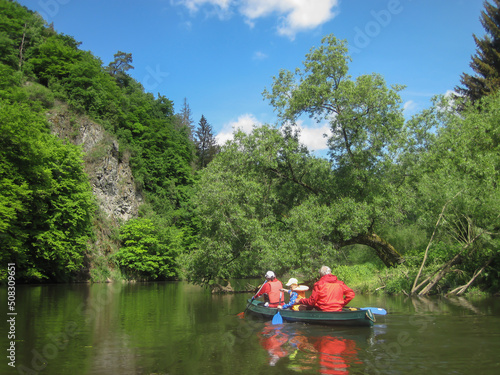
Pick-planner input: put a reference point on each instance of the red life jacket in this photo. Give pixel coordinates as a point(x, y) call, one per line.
point(276, 297)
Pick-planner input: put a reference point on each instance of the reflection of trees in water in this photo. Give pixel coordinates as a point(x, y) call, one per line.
point(329, 354)
point(442, 304)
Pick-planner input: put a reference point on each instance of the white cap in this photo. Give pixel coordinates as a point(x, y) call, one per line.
point(270, 275)
point(292, 281)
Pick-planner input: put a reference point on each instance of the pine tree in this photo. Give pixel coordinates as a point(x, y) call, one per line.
point(183, 120)
point(206, 145)
point(119, 66)
point(486, 62)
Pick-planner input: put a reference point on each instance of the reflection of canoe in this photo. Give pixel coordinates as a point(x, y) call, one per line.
point(345, 317)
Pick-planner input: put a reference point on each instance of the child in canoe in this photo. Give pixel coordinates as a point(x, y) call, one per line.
point(296, 291)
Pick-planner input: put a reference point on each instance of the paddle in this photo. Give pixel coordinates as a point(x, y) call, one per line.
point(242, 314)
point(277, 319)
point(375, 310)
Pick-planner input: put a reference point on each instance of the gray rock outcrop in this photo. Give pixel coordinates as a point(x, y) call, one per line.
point(108, 170)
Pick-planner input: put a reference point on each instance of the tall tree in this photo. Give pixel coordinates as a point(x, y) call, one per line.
point(366, 122)
point(458, 186)
point(119, 66)
point(206, 145)
point(486, 61)
point(46, 202)
point(184, 119)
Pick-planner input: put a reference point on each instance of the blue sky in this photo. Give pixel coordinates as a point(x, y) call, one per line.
point(221, 54)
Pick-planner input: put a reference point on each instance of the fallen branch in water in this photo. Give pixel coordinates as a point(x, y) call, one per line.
point(415, 286)
point(444, 269)
point(461, 289)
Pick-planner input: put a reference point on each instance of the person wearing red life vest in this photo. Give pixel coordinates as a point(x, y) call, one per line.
point(329, 293)
point(271, 291)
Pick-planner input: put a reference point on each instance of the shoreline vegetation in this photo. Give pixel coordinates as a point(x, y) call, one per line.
point(101, 181)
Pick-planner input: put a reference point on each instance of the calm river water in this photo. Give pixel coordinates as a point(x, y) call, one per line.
point(176, 328)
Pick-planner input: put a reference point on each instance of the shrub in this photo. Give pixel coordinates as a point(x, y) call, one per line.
point(145, 253)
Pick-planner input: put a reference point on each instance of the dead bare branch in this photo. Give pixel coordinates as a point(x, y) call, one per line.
point(414, 288)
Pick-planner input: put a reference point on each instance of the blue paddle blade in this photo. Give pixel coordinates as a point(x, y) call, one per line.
point(277, 319)
point(375, 310)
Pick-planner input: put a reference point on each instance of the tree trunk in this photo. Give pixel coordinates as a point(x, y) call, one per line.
point(461, 289)
point(21, 49)
point(442, 272)
point(386, 252)
point(444, 269)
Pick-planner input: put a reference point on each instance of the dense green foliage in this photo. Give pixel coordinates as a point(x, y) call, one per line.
point(45, 200)
point(265, 202)
point(39, 66)
point(400, 205)
point(146, 252)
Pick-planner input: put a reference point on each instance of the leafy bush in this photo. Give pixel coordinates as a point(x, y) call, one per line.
point(46, 202)
point(146, 252)
point(39, 94)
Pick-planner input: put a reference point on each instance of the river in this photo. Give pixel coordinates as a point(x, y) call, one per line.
point(176, 328)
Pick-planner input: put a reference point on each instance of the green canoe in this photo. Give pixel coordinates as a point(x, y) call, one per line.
point(346, 317)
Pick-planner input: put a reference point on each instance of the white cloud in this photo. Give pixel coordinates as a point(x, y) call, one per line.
point(219, 8)
point(259, 55)
point(245, 122)
point(311, 137)
point(451, 94)
point(410, 106)
point(294, 15)
point(195, 5)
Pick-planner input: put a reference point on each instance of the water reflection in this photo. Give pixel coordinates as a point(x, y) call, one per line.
point(305, 350)
point(442, 304)
point(273, 340)
point(178, 329)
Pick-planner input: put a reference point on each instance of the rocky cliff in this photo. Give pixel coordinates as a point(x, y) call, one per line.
point(109, 172)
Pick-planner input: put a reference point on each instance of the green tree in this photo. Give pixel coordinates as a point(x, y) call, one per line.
point(161, 155)
point(53, 58)
point(46, 202)
point(20, 29)
point(89, 89)
point(486, 61)
point(119, 66)
point(265, 202)
point(206, 145)
point(183, 120)
point(457, 180)
point(145, 253)
point(367, 124)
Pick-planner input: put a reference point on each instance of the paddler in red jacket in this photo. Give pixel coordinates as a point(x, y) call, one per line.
point(329, 293)
point(271, 291)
